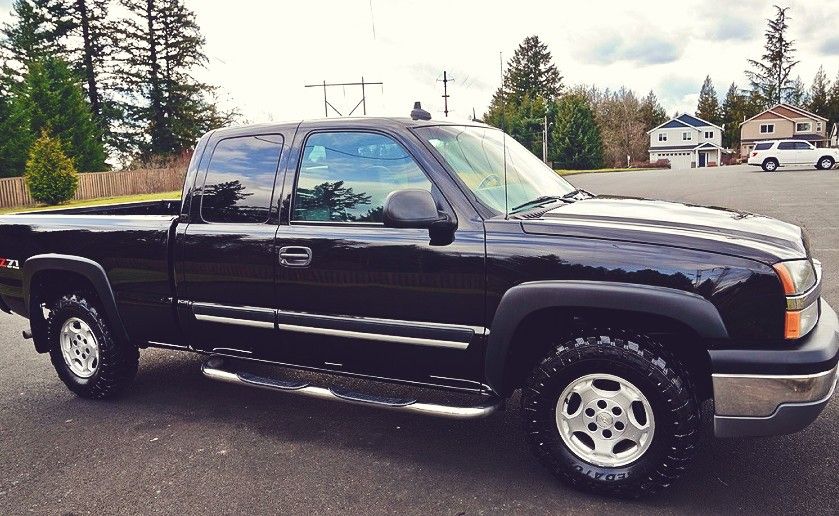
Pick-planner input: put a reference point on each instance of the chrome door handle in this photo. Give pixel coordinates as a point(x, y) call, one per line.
point(295, 256)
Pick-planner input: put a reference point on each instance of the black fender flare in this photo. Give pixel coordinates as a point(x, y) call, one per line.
point(690, 309)
point(84, 267)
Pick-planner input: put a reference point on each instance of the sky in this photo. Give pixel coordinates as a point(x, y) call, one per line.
point(262, 53)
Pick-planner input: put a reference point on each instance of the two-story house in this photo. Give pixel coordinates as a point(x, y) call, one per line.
point(783, 122)
point(686, 141)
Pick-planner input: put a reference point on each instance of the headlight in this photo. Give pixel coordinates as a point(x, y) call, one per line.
point(799, 280)
point(797, 276)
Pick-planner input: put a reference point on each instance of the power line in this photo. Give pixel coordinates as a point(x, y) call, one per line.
point(362, 102)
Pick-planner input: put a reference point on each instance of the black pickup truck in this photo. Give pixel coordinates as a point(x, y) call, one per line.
point(440, 256)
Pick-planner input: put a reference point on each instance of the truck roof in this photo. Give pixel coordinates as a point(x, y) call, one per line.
point(349, 122)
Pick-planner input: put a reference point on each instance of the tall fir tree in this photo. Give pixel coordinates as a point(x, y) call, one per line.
point(769, 76)
point(161, 48)
point(52, 100)
point(797, 94)
point(819, 94)
point(652, 113)
point(708, 107)
point(83, 28)
point(576, 137)
point(833, 102)
point(15, 136)
point(732, 113)
point(26, 38)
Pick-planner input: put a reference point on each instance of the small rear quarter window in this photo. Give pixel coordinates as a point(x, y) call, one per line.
point(763, 146)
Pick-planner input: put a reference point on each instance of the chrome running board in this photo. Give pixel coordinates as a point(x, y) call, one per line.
point(214, 369)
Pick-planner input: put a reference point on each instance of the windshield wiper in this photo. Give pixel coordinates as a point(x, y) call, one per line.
point(544, 199)
point(575, 193)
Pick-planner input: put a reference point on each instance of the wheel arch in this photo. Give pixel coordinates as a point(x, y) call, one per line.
point(546, 303)
point(39, 271)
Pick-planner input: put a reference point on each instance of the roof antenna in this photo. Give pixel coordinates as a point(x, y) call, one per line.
point(418, 113)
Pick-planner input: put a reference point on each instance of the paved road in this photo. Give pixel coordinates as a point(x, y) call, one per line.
point(178, 443)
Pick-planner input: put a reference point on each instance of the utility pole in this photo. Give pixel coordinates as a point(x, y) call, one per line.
point(362, 102)
point(446, 95)
point(545, 141)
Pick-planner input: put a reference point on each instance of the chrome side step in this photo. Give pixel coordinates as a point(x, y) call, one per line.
point(213, 368)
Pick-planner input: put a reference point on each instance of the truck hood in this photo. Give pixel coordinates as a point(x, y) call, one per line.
point(711, 229)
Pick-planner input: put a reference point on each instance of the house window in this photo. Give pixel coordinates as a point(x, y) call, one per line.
point(709, 135)
point(662, 137)
point(687, 136)
point(803, 126)
point(767, 128)
point(818, 126)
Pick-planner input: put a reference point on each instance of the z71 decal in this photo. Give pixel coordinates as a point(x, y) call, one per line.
point(5, 263)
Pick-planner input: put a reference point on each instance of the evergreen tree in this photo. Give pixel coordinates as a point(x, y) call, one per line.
point(833, 103)
point(708, 107)
point(82, 27)
point(52, 100)
point(819, 92)
point(27, 38)
point(576, 136)
point(15, 137)
point(797, 94)
point(652, 113)
point(733, 111)
point(162, 46)
point(770, 76)
point(50, 174)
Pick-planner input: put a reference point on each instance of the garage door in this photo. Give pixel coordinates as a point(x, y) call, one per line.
point(678, 160)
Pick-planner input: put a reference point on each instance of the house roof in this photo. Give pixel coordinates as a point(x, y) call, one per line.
point(701, 146)
point(800, 111)
point(685, 120)
point(805, 137)
point(708, 145)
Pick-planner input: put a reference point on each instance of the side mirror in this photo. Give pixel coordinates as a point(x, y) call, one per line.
point(412, 208)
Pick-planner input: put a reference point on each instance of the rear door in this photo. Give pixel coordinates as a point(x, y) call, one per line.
point(787, 153)
point(806, 153)
point(225, 254)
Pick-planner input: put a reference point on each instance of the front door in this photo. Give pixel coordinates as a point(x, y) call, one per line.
point(357, 297)
point(702, 158)
point(226, 260)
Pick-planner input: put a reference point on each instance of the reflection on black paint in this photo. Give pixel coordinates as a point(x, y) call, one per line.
point(240, 179)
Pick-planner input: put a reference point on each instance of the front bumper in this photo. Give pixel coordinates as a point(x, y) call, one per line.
point(778, 391)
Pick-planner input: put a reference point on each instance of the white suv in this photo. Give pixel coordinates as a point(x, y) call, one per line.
point(783, 153)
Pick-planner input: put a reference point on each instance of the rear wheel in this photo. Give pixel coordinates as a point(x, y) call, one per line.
point(86, 356)
point(770, 165)
point(825, 163)
point(612, 413)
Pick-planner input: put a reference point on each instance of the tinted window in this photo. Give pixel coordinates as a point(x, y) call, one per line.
point(346, 176)
point(240, 179)
point(763, 146)
point(786, 146)
point(802, 146)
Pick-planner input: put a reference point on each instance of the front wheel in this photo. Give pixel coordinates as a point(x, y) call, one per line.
point(826, 163)
point(612, 413)
point(85, 354)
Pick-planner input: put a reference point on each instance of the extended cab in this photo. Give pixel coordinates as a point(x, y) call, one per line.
point(443, 256)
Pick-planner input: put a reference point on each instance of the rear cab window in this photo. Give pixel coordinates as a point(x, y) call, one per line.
point(240, 179)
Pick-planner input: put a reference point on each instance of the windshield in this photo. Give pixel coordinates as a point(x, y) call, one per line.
point(476, 154)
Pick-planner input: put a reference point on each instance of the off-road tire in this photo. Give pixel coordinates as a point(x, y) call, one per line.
point(661, 378)
point(118, 362)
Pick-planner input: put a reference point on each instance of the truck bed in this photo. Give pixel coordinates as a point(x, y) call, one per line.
point(131, 241)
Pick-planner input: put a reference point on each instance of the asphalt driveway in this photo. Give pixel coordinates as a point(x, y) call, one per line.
point(178, 443)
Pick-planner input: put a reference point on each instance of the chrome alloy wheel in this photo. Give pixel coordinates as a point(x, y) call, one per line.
point(826, 164)
point(605, 420)
point(79, 347)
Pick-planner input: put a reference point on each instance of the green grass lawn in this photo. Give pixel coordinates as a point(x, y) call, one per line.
point(601, 170)
point(97, 202)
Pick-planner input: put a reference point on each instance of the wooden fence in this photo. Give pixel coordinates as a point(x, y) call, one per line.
point(92, 185)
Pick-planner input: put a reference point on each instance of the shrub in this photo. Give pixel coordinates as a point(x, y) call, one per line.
point(50, 174)
point(661, 163)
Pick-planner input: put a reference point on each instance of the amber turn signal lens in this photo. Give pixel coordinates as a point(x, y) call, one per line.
point(792, 325)
point(786, 279)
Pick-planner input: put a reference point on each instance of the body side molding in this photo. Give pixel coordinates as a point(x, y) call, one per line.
point(517, 303)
